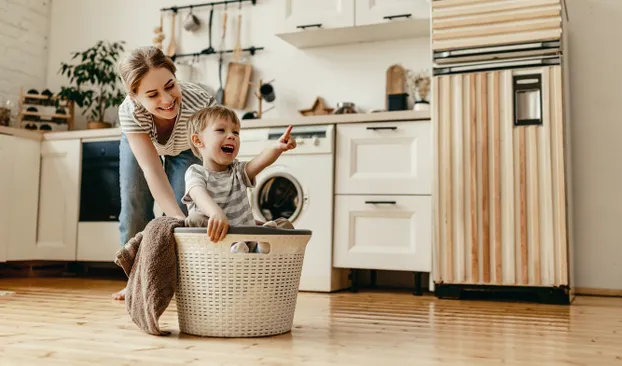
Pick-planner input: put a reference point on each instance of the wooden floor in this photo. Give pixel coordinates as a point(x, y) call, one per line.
point(75, 322)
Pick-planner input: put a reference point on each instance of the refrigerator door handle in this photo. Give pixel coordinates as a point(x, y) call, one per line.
point(527, 99)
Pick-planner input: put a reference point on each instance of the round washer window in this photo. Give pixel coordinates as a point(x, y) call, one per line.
point(279, 196)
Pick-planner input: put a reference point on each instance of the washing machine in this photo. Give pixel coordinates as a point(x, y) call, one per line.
point(299, 187)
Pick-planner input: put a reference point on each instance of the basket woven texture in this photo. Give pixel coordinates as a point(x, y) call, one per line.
point(224, 294)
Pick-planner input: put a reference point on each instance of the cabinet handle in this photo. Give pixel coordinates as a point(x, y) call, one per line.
point(389, 17)
point(382, 128)
point(380, 202)
point(319, 25)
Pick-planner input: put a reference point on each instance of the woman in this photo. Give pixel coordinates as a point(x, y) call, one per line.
point(153, 124)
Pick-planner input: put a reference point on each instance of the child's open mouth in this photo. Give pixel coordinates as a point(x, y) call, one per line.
point(228, 149)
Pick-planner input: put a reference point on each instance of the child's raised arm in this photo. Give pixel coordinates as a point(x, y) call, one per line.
point(269, 155)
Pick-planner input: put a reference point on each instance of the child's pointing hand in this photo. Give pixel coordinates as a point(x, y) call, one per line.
point(286, 142)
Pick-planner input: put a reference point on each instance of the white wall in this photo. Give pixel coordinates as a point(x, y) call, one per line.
point(354, 73)
point(24, 28)
point(596, 96)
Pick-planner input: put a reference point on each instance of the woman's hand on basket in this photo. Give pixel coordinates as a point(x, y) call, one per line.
point(217, 227)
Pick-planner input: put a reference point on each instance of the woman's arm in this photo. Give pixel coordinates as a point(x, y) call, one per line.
point(151, 165)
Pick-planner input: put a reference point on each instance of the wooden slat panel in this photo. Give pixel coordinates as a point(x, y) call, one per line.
point(559, 190)
point(546, 188)
point(485, 164)
point(545, 35)
point(450, 3)
point(496, 18)
point(508, 185)
point(465, 24)
point(473, 180)
point(458, 174)
point(533, 201)
point(447, 201)
point(502, 203)
point(522, 167)
point(496, 180)
point(436, 192)
point(460, 8)
point(497, 29)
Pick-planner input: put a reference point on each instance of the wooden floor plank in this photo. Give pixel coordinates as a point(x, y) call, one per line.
point(75, 322)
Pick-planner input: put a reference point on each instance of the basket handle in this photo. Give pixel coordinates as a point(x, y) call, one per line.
point(247, 230)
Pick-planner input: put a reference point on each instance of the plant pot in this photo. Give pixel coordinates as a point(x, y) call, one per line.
point(95, 124)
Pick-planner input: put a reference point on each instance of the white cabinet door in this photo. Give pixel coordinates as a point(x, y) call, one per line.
point(6, 174)
point(381, 11)
point(384, 158)
point(383, 232)
point(24, 199)
point(59, 201)
point(299, 15)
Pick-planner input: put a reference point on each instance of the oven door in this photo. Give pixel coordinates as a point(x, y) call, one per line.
point(100, 193)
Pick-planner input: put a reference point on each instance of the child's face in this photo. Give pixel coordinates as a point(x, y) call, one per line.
point(221, 143)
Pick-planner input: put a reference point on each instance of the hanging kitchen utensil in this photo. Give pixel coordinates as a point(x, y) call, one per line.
point(238, 75)
point(210, 49)
point(192, 23)
point(172, 46)
point(159, 33)
point(220, 94)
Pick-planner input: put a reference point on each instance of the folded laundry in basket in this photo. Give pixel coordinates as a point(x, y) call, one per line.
point(150, 262)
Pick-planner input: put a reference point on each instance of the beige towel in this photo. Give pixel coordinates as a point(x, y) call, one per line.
point(150, 261)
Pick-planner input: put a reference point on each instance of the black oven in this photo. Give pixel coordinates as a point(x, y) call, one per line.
point(100, 193)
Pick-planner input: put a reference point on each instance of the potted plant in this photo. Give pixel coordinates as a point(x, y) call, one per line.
point(94, 81)
point(420, 86)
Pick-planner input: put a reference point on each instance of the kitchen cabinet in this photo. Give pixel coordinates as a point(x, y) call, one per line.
point(384, 158)
point(22, 197)
point(6, 167)
point(383, 232)
point(383, 203)
point(308, 24)
point(381, 11)
point(58, 200)
point(299, 15)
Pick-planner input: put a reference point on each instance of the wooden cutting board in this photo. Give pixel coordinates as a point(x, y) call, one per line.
point(236, 87)
point(396, 82)
point(238, 77)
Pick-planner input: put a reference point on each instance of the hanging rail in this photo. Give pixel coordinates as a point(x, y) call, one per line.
point(175, 8)
point(251, 49)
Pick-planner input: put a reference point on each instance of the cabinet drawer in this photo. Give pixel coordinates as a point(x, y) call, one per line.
point(384, 158)
point(458, 24)
point(383, 232)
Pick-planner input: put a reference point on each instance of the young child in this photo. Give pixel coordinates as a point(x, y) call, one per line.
point(218, 187)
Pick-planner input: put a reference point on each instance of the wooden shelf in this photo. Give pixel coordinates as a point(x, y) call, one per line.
point(22, 110)
point(391, 30)
point(54, 115)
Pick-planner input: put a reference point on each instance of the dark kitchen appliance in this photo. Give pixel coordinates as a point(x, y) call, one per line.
point(100, 194)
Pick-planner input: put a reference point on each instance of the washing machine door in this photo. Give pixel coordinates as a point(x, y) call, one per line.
point(278, 194)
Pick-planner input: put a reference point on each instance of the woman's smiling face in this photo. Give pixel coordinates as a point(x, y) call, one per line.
point(159, 93)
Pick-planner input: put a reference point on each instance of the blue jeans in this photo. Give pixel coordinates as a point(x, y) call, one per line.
point(136, 199)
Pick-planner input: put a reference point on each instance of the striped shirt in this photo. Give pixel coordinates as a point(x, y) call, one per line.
point(226, 188)
point(134, 118)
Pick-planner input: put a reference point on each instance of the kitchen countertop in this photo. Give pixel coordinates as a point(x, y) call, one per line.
point(254, 123)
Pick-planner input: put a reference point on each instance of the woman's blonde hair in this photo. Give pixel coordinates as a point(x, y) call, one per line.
point(201, 119)
point(137, 64)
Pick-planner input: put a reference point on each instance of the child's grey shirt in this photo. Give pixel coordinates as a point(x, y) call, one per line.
point(227, 188)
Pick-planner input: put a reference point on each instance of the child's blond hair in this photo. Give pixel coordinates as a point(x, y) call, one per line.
point(201, 119)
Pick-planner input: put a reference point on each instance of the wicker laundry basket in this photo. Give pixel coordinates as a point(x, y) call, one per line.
point(224, 294)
